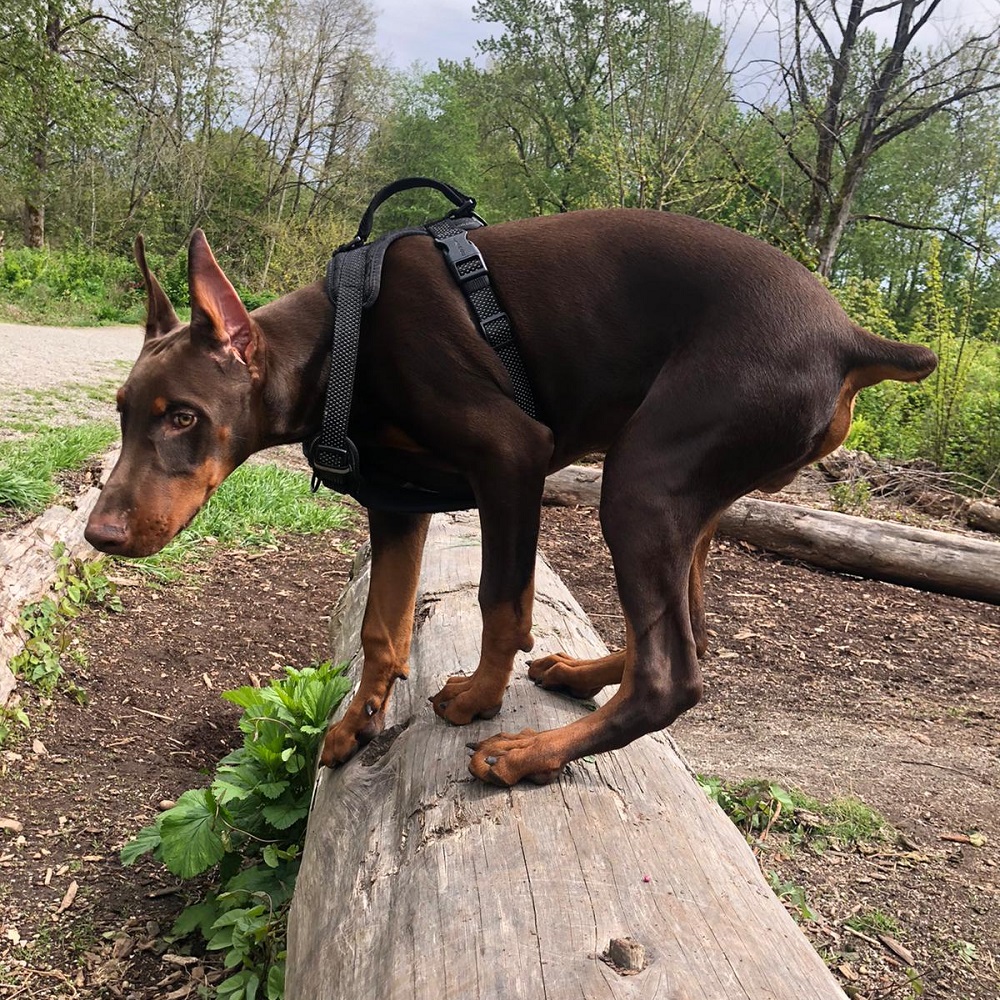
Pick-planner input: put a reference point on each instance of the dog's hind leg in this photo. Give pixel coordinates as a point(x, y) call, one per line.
point(577, 678)
point(584, 678)
point(657, 514)
point(397, 542)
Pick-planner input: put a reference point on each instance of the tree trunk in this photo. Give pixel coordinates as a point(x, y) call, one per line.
point(931, 560)
point(419, 883)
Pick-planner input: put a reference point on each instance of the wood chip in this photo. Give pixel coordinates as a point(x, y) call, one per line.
point(38, 748)
point(900, 951)
point(67, 900)
point(847, 971)
point(6, 823)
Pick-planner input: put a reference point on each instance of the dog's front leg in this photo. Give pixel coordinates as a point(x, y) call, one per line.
point(509, 510)
point(397, 542)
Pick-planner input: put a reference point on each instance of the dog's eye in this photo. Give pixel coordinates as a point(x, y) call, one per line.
point(182, 419)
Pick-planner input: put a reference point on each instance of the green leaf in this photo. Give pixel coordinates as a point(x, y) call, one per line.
point(276, 981)
point(281, 815)
point(246, 697)
point(198, 917)
point(146, 840)
point(272, 789)
point(190, 844)
point(780, 795)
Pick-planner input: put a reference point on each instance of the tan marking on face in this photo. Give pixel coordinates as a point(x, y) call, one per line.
point(224, 434)
point(159, 407)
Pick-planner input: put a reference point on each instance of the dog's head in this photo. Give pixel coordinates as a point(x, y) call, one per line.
point(187, 410)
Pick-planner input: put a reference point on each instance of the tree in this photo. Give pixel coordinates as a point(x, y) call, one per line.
point(49, 101)
point(600, 102)
point(847, 96)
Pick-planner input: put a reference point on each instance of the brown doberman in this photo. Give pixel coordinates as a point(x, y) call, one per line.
point(704, 362)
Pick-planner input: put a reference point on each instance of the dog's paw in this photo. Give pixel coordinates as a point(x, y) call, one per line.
point(359, 726)
point(461, 701)
point(562, 674)
point(507, 758)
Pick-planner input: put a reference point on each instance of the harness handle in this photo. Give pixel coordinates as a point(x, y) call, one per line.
point(464, 204)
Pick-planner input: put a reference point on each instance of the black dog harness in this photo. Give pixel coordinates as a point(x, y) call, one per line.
point(353, 281)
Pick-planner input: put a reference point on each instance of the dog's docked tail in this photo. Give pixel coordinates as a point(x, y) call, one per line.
point(876, 359)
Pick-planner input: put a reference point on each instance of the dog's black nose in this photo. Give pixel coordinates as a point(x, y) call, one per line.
point(107, 536)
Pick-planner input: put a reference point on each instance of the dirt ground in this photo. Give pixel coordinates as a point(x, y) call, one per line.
point(827, 683)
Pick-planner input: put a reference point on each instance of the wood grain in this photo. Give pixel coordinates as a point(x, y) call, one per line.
point(419, 882)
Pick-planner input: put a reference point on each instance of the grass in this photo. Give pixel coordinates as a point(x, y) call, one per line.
point(28, 466)
point(873, 922)
point(250, 509)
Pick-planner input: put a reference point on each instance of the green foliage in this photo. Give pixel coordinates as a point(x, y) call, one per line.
point(76, 285)
point(962, 394)
point(249, 825)
point(851, 497)
point(792, 894)
point(12, 716)
point(46, 624)
point(250, 509)
point(27, 466)
point(758, 806)
point(873, 922)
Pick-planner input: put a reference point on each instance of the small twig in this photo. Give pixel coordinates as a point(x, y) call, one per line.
point(155, 715)
point(954, 770)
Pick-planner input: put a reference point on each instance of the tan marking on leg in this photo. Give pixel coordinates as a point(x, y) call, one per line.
point(386, 632)
point(696, 595)
point(577, 678)
point(506, 630)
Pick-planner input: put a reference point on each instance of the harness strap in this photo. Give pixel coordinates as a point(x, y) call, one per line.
point(352, 285)
point(470, 272)
point(332, 455)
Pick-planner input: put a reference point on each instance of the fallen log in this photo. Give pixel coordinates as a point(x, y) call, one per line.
point(27, 566)
point(939, 561)
point(418, 882)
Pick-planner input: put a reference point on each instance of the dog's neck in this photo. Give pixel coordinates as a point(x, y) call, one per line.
point(297, 330)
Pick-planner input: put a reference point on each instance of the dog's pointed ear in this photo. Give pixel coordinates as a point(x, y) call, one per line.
point(217, 314)
point(160, 315)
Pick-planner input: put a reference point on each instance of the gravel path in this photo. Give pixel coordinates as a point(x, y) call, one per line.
point(34, 357)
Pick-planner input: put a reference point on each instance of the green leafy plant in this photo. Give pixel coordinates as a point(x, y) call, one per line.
point(851, 497)
point(45, 624)
point(760, 807)
point(873, 922)
point(792, 894)
point(11, 716)
point(249, 825)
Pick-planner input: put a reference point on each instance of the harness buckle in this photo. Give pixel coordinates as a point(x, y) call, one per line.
point(333, 461)
point(463, 257)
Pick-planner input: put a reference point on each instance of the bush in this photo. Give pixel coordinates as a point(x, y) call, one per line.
point(249, 825)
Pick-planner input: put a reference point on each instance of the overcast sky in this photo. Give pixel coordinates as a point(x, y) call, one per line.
point(424, 31)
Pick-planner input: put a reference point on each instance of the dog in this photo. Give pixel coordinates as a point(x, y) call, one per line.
point(705, 363)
